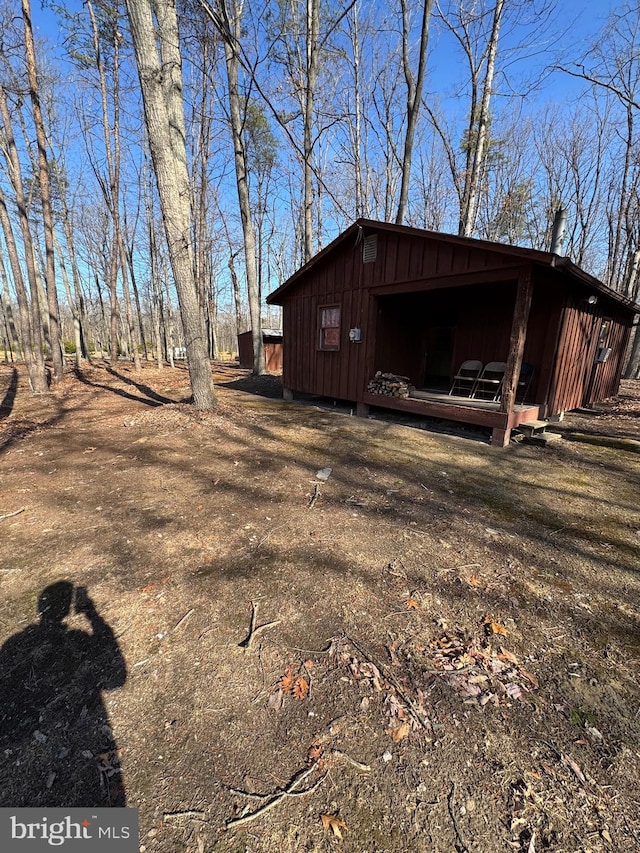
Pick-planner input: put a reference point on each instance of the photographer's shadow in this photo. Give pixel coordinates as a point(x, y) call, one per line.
point(56, 744)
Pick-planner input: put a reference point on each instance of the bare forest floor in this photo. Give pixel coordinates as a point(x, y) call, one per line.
point(450, 656)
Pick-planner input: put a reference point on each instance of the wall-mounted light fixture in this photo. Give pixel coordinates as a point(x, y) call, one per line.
point(592, 299)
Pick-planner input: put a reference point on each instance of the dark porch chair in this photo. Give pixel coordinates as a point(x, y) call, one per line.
point(464, 382)
point(489, 383)
point(524, 381)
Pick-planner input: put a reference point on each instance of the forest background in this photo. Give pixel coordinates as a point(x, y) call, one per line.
point(476, 117)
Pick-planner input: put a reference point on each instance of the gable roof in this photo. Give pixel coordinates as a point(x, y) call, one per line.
point(362, 227)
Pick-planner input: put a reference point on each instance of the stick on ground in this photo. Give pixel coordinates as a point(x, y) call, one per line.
point(253, 631)
point(289, 791)
point(11, 514)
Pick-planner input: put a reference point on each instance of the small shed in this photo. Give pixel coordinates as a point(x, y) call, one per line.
point(272, 341)
point(416, 304)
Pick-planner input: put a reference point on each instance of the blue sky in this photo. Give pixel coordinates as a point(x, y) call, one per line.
point(577, 24)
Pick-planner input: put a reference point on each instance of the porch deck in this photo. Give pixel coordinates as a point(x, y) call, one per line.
point(462, 409)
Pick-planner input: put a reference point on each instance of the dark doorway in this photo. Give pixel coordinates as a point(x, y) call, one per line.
point(438, 357)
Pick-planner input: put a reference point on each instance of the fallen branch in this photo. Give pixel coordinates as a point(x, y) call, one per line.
point(414, 711)
point(461, 847)
point(267, 535)
point(289, 791)
point(184, 619)
point(253, 630)
point(338, 753)
point(314, 496)
point(11, 514)
point(185, 814)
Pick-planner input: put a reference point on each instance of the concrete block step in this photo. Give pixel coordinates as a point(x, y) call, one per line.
point(533, 427)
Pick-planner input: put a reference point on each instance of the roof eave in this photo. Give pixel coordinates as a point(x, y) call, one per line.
point(535, 256)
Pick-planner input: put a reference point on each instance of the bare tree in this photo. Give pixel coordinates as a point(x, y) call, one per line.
point(154, 29)
point(228, 20)
point(45, 195)
point(414, 94)
point(29, 309)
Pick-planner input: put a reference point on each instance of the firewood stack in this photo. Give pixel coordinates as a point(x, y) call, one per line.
point(389, 384)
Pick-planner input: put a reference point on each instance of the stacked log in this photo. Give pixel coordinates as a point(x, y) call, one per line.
point(389, 384)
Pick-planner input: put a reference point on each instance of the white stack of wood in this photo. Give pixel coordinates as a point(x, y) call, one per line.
point(389, 384)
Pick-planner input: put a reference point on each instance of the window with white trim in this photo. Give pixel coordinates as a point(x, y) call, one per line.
point(329, 326)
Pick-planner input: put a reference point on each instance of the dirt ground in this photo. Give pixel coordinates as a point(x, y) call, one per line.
point(435, 648)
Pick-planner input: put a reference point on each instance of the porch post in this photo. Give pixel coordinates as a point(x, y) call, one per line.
point(516, 343)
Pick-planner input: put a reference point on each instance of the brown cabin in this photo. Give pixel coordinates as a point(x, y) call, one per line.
point(272, 342)
point(385, 298)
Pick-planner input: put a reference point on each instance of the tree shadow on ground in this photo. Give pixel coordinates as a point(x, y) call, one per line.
point(144, 389)
point(55, 735)
point(6, 406)
point(267, 386)
point(151, 398)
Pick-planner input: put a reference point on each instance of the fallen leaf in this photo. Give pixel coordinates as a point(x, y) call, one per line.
point(315, 752)
point(530, 677)
point(300, 688)
point(333, 823)
point(507, 655)
point(399, 732)
point(473, 581)
point(286, 682)
point(492, 627)
point(575, 767)
point(276, 699)
point(412, 604)
point(513, 690)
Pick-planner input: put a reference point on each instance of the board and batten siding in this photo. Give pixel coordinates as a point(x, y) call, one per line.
point(578, 380)
point(409, 257)
point(307, 368)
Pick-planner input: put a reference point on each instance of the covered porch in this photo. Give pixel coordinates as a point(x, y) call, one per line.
point(425, 329)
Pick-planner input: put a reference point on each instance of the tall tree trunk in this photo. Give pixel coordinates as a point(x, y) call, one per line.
point(111, 190)
point(75, 313)
point(161, 84)
point(414, 96)
point(474, 175)
point(229, 27)
point(131, 325)
point(312, 35)
point(632, 370)
point(45, 196)
point(7, 307)
point(29, 319)
point(136, 297)
point(78, 303)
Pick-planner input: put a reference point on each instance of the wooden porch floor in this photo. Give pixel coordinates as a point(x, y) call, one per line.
point(462, 409)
